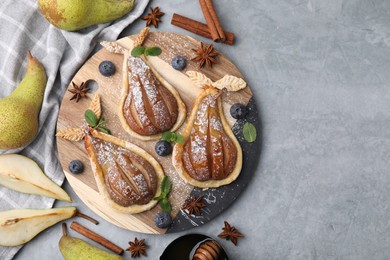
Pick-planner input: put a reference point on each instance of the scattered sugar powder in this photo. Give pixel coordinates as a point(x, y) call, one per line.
point(198, 148)
point(180, 190)
point(199, 138)
point(216, 150)
point(142, 80)
point(139, 105)
point(113, 159)
point(215, 123)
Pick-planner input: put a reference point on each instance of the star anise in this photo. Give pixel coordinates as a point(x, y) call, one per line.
point(153, 17)
point(205, 55)
point(193, 205)
point(78, 91)
point(230, 233)
point(137, 248)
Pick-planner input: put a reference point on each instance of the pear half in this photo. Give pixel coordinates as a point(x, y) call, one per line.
point(127, 176)
point(210, 155)
point(19, 226)
point(20, 173)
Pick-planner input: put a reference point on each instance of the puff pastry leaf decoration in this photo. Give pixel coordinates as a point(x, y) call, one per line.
point(228, 82)
point(149, 104)
point(76, 134)
point(231, 83)
point(72, 134)
point(210, 155)
point(199, 79)
point(95, 106)
point(127, 176)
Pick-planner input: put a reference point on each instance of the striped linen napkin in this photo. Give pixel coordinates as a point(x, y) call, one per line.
point(23, 28)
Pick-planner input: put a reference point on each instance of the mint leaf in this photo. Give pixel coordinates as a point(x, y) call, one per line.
point(137, 51)
point(168, 136)
point(166, 205)
point(159, 197)
point(153, 51)
point(172, 137)
point(101, 122)
point(93, 121)
point(104, 130)
point(90, 118)
point(163, 182)
point(166, 185)
point(249, 132)
point(179, 138)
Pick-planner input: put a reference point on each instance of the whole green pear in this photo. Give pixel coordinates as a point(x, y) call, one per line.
point(19, 111)
point(72, 15)
point(73, 248)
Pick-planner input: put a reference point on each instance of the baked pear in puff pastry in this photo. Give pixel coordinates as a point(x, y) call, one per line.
point(127, 176)
point(210, 155)
point(149, 104)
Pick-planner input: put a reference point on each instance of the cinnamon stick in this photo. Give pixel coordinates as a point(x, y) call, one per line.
point(212, 20)
point(95, 237)
point(198, 28)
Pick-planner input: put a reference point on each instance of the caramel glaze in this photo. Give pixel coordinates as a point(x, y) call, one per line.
point(209, 153)
point(128, 177)
point(150, 108)
point(209, 250)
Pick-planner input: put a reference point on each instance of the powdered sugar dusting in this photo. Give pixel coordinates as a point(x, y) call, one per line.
point(215, 123)
point(207, 140)
point(144, 94)
point(199, 135)
point(137, 72)
point(179, 190)
point(198, 148)
point(126, 174)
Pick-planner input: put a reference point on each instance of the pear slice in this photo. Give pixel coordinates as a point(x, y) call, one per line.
point(20, 173)
point(19, 226)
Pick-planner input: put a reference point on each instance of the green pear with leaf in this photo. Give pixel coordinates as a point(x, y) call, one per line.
point(73, 15)
point(19, 112)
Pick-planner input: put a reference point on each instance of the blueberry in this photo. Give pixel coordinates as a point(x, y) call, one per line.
point(107, 68)
point(238, 111)
point(163, 148)
point(179, 63)
point(163, 220)
point(76, 166)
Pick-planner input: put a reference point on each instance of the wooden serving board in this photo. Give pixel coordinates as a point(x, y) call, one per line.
point(109, 88)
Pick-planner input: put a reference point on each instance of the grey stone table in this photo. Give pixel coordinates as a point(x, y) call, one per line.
point(320, 74)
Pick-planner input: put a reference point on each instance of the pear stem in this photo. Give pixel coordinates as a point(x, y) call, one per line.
point(220, 93)
point(64, 231)
point(29, 55)
point(81, 215)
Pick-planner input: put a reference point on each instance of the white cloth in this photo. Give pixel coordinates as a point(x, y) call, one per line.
point(23, 28)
